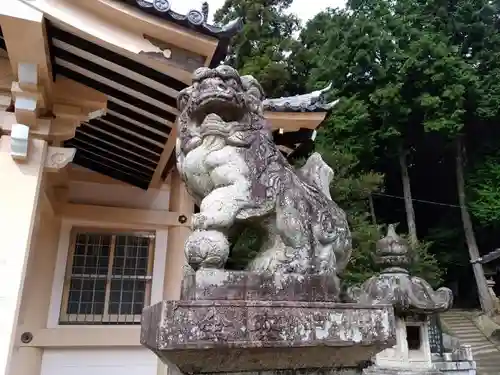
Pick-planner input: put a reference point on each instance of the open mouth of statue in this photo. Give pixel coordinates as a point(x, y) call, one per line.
point(220, 104)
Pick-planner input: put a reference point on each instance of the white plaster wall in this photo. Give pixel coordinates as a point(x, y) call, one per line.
point(118, 195)
point(98, 362)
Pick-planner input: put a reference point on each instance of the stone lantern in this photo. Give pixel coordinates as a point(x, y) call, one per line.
point(414, 302)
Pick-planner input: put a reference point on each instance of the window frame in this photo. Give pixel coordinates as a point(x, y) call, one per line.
point(105, 319)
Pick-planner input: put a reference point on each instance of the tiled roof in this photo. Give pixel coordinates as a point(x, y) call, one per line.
point(311, 102)
point(195, 19)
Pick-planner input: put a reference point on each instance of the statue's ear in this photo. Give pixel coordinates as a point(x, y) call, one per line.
point(253, 87)
point(201, 73)
point(183, 98)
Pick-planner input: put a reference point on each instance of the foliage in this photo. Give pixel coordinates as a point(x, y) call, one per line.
point(447, 244)
point(426, 265)
point(262, 47)
point(484, 186)
point(410, 74)
point(350, 189)
point(246, 242)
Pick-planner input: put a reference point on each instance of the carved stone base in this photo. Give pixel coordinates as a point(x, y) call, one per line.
point(375, 370)
point(218, 284)
point(236, 335)
point(343, 371)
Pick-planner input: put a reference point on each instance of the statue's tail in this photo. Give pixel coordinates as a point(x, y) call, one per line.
point(317, 173)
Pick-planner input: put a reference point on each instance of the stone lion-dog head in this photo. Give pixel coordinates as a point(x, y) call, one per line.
point(221, 103)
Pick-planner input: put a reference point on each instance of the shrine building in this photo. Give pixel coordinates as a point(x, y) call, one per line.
point(93, 214)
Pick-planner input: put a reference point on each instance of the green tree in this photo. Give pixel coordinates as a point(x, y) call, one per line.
point(469, 94)
point(359, 50)
point(263, 46)
point(412, 73)
point(484, 190)
point(351, 189)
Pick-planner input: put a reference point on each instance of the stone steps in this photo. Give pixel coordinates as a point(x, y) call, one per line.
point(486, 353)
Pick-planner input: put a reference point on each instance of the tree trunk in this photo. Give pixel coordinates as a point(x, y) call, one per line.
point(410, 213)
point(482, 287)
point(372, 209)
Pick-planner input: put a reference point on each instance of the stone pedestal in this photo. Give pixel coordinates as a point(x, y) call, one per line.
point(214, 284)
point(375, 370)
point(238, 321)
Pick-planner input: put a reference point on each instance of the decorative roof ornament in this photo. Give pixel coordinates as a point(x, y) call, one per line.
point(394, 285)
point(194, 19)
point(312, 102)
point(205, 11)
point(161, 5)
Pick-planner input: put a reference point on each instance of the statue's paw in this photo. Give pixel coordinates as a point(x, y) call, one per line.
point(206, 249)
point(199, 221)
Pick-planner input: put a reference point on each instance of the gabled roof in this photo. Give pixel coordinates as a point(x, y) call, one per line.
point(195, 19)
point(140, 54)
point(310, 102)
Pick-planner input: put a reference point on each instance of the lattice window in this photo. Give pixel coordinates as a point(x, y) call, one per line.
point(436, 335)
point(108, 278)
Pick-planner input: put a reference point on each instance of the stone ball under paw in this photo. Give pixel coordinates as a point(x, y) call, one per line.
point(207, 249)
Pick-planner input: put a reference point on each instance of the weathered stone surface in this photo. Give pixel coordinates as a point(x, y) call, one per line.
point(231, 336)
point(234, 171)
point(403, 371)
point(343, 371)
point(217, 284)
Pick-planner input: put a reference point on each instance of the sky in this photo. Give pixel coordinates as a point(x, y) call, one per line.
point(305, 9)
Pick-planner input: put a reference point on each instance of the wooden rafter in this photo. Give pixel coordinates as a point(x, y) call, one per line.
point(156, 180)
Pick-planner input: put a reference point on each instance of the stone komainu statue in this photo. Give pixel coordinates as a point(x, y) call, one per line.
point(231, 166)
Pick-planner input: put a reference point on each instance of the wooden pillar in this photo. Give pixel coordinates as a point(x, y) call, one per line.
point(180, 201)
point(37, 289)
point(19, 198)
point(22, 161)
